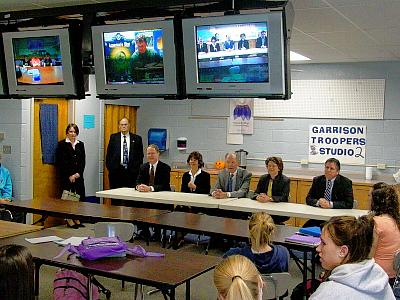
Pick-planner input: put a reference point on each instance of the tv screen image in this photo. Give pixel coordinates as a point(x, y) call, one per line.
point(134, 57)
point(38, 60)
point(233, 53)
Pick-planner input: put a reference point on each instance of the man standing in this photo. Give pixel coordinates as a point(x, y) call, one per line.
point(330, 190)
point(124, 157)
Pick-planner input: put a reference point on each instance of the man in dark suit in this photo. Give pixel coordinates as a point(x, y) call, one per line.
point(124, 157)
point(243, 43)
point(201, 46)
point(330, 190)
point(154, 176)
point(261, 41)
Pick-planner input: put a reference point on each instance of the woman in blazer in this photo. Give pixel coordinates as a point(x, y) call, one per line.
point(196, 180)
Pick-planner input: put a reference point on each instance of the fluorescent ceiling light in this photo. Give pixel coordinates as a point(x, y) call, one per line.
point(294, 56)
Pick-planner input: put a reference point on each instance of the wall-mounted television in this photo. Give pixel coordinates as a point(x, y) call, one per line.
point(135, 59)
point(237, 55)
point(44, 63)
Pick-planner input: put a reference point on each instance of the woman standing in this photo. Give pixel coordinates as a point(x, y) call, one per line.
point(71, 160)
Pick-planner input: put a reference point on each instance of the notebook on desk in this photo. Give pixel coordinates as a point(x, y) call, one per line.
point(303, 239)
point(313, 231)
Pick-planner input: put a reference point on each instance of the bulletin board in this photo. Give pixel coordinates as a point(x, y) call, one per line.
point(331, 99)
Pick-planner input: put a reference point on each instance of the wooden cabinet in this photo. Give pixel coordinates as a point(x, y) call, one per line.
point(360, 193)
point(176, 180)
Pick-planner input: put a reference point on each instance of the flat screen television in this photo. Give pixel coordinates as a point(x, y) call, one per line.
point(135, 59)
point(44, 63)
point(237, 55)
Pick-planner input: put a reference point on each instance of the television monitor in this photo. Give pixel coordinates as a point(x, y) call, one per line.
point(135, 59)
point(43, 63)
point(237, 55)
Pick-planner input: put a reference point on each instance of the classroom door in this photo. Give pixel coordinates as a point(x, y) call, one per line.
point(45, 181)
point(112, 115)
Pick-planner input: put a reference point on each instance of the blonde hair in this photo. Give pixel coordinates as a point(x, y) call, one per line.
point(261, 226)
point(237, 278)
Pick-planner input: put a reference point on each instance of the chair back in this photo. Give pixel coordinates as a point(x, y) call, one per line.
point(123, 230)
point(275, 284)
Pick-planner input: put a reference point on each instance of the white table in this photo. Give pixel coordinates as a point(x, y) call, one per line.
point(187, 199)
point(289, 209)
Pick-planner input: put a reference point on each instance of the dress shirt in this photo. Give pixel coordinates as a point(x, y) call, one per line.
point(122, 146)
point(154, 168)
point(228, 194)
point(332, 183)
point(193, 177)
point(72, 143)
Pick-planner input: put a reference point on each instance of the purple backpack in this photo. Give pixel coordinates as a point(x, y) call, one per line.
point(72, 285)
point(95, 248)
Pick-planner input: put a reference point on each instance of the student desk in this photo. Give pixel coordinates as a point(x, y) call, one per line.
point(9, 229)
point(165, 273)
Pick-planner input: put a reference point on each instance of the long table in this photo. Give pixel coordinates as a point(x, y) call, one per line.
point(9, 229)
point(165, 273)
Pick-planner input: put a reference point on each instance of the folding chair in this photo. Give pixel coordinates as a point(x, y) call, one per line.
point(275, 285)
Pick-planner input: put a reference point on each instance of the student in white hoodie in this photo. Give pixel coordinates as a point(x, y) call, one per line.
point(344, 254)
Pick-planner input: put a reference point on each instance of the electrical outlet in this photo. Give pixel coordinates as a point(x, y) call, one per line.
point(6, 149)
point(304, 162)
point(1, 136)
point(381, 166)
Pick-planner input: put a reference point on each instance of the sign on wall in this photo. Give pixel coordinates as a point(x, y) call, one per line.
point(344, 142)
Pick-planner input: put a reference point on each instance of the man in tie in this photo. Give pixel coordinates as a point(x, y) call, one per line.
point(154, 176)
point(124, 157)
point(330, 190)
point(232, 182)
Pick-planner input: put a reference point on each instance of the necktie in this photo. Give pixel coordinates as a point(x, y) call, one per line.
point(151, 180)
point(125, 153)
point(327, 194)
point(230, 183)
point(269, 191)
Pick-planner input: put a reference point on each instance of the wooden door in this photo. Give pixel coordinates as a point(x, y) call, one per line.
point(45, 181)
point(112, 115)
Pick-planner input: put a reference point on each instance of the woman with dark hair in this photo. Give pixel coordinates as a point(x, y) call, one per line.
point(385, 209)
point(196, 180)
point(70, 162)
point(345, 255)
point(16, 273)
point(274, 186)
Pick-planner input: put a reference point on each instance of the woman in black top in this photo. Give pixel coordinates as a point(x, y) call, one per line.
point(70, 161)
point(196, 180)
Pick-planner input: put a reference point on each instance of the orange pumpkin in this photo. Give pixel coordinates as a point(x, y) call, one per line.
point(219, 164)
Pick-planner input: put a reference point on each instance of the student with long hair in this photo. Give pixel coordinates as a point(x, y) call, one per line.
point(267, 257)
point(385, 209)
point(16, 273)
point(344, 253)
point(236, 278)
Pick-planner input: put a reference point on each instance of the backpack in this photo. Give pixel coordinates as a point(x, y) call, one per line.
point(72, 285)
point(96, 248)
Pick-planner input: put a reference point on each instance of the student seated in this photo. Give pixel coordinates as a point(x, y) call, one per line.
point(16, 273)
point(5, 184)
point(344, 253)
point(236, 278)
point(386, 212)
point(268, 258)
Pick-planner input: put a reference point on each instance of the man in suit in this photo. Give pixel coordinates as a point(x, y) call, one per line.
point(154, 176)
point(261, 41)
point(330, 190)
point(124, 157)
point(232, 182)
point(201, 46)
point(243, 44)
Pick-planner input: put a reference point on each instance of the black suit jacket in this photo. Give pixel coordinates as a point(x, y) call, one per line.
point(161, 177)
point(342, 192)
point(244, 44)
point(202, 48)
point(280, 187)
point(113, 158)
point(259, 42)
point(202, 183)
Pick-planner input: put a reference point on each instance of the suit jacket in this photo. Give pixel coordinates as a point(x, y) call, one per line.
point(244, 44)
point(202, 47)
point(259, 42)
point(215, 48)
point(342, 192)
point(202, 183)
point(113, 158)
point(161, 177)
point(280, 187)
point(242, 183)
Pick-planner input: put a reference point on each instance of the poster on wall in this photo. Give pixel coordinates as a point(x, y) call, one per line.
point(241, 116)
point(344, 142)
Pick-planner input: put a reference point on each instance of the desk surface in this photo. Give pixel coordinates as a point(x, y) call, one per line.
point(188, 199)
point(9, 229)
point(289, 209)
point(169, 271)
point(84, 210)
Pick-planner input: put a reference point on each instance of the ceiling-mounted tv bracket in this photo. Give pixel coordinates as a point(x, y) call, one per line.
point(232, 11)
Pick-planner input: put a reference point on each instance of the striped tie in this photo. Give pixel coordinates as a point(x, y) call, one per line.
point(327, 194)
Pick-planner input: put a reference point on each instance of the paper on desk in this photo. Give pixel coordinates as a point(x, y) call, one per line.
point(74, 241)
point(43, 239)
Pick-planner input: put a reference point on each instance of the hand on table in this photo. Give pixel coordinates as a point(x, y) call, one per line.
point(219, 194)
point(323, 203)
point(263, 198)
point(143, 188)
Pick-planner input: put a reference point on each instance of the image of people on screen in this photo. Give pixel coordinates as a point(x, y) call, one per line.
point(229, 44)
point(214, 46)
point(146, 64)
point(201, 46)
point(243, 44)
point(38, 60)
point(261, 41)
